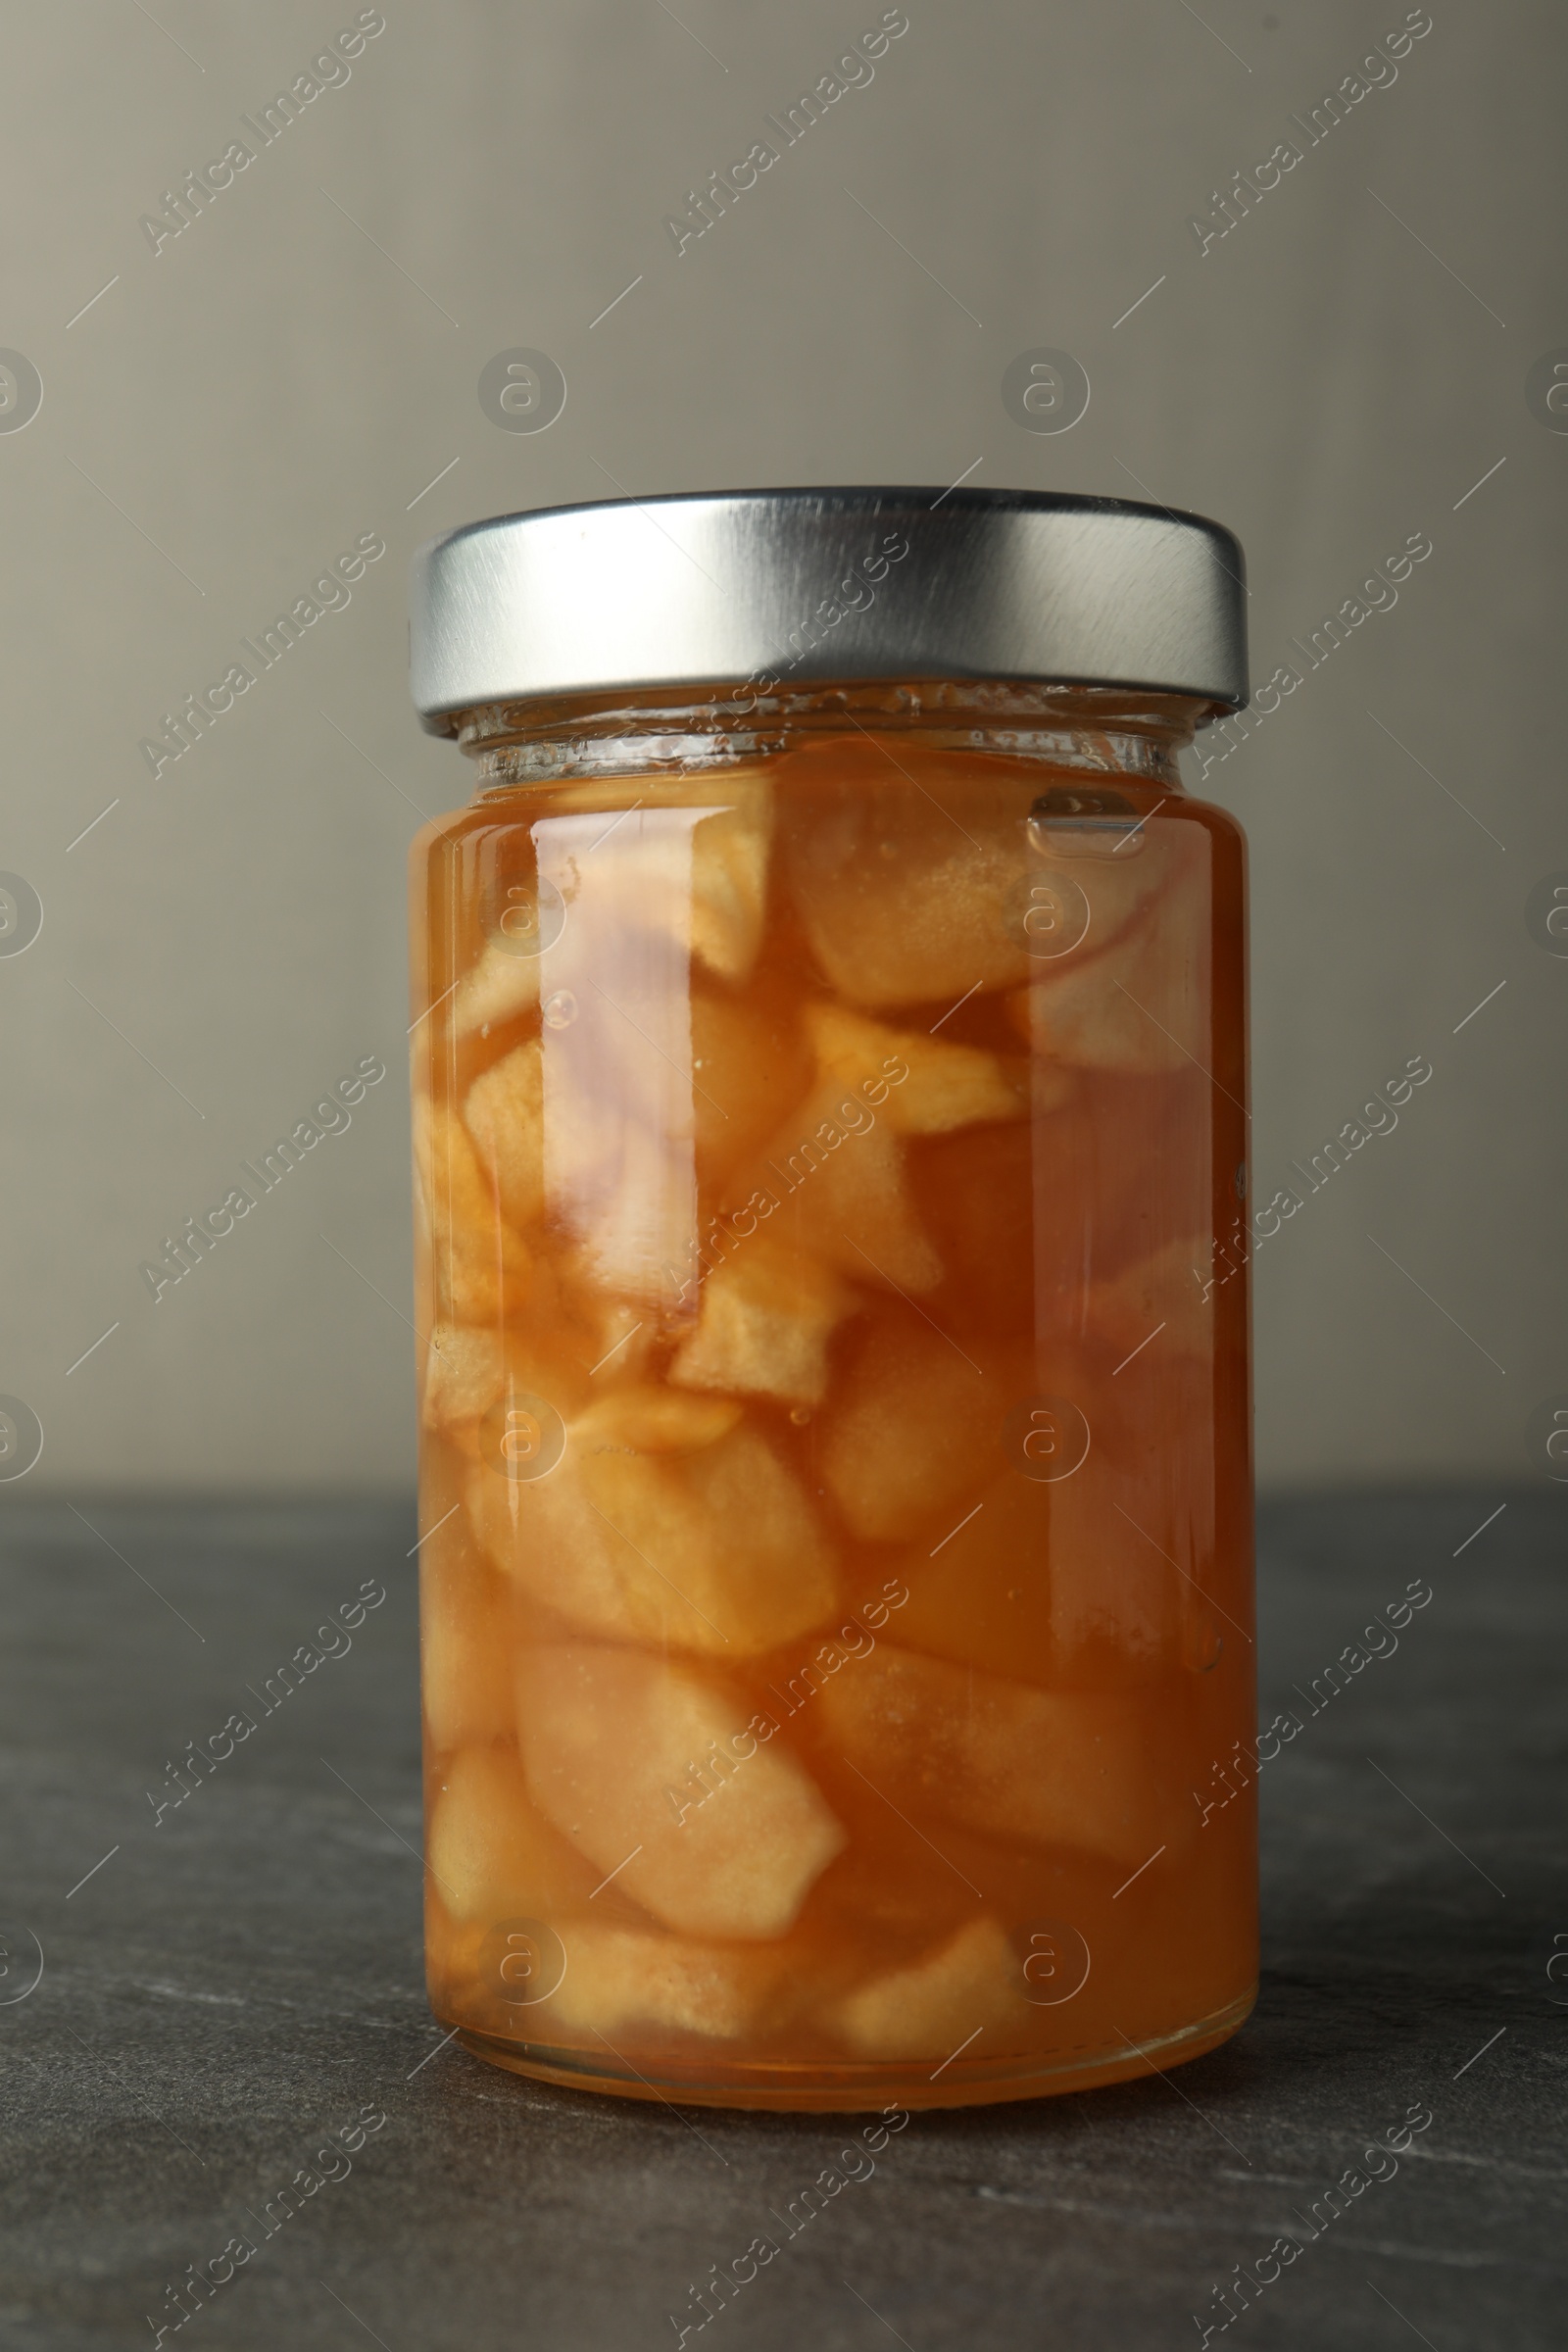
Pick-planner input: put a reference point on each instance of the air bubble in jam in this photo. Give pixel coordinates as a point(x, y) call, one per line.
point(836, 1576)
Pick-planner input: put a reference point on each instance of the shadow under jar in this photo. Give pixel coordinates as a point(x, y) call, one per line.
point(829, 1078)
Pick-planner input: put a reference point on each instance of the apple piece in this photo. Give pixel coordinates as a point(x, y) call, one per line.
point(597, 1105)
point(767, 1316)
point(710, 900)
point(464, 1641)
point(618, 1337)
point(748, 1056)
point(463, 1371)
point(975, 1191)
point(713, 1552)
point(836, 1172)
point(482, 1268)
point(643, 1419)
point(498, 987)
point(729, 872)
point(617, 1976)
point(618, 1159)
point(971, 1985)
point(899, 861)
point(489, 1852)
point(916, 1429)
point(1139, 1007)
point(549, 1354)
point(651, 1771)
point(944, 1085)
point(1027, 1767)
point(505, 1115)
point(640, 1072)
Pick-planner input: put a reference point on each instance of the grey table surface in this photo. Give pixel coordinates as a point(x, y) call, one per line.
point(225, 1985)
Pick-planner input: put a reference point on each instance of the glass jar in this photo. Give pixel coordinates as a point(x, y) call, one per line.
point(829, 1095)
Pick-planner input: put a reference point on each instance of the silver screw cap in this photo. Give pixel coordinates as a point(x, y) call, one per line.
point(778, 588)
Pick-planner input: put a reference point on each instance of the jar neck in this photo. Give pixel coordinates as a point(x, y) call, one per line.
point(626, 731)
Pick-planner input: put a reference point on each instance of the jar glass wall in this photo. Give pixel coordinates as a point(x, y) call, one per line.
point(836, 1576)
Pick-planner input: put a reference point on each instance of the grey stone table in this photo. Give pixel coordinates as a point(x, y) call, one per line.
point(226, 1984)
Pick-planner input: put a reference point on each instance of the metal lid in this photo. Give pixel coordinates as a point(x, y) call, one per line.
point(784, 587)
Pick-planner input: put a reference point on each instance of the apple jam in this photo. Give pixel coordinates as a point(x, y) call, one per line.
point(836, 1573)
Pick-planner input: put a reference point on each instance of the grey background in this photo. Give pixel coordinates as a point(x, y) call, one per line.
point(288, 374)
